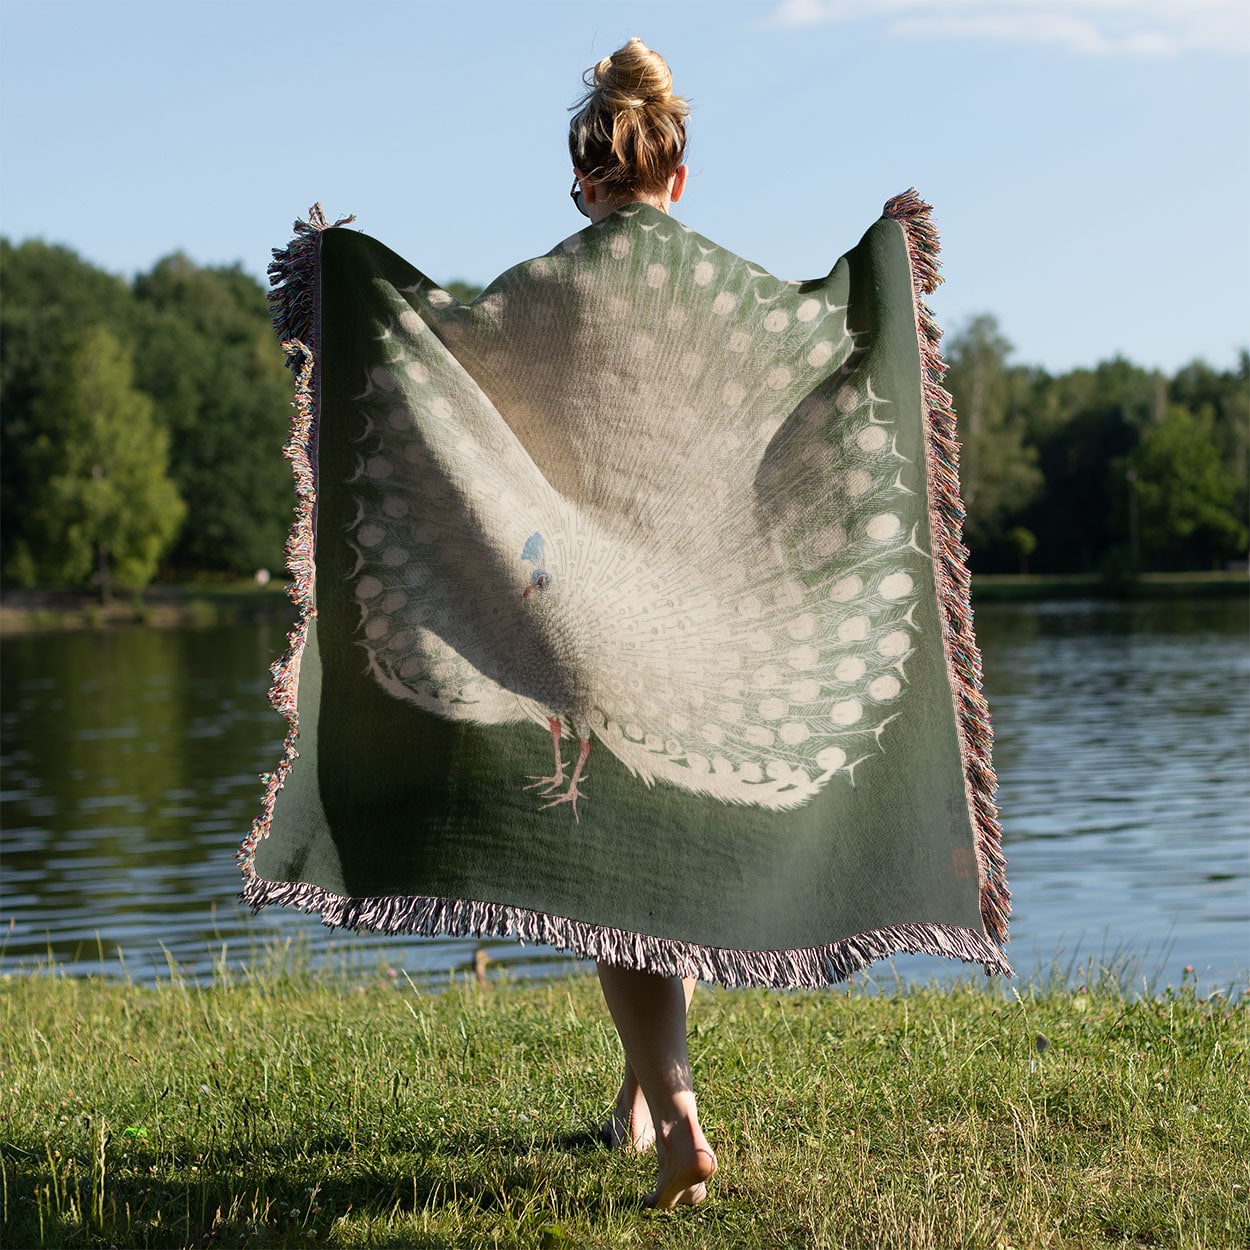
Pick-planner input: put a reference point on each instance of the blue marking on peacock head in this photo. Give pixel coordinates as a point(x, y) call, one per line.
point(532, 553)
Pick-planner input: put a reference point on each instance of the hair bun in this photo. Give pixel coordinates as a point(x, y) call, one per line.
point(629, 130)
point(633, 77)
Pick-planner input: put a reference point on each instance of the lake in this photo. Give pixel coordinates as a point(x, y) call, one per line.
point(131, 762)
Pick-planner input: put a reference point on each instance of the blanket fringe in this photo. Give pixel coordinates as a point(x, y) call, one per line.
point(810, 968)
point(295, 303)
point(954, 583)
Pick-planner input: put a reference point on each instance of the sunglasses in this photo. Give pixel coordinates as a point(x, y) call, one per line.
point(576, 196)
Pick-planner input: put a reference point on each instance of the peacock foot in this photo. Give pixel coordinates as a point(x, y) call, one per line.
point(546, 784)
point(571, 795)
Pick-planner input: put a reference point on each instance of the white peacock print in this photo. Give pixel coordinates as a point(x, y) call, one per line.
point(707, 561)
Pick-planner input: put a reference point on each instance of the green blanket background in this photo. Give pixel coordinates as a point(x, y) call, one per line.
point(701, 522)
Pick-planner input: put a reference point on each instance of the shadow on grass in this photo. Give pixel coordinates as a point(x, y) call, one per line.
point(274, 1195)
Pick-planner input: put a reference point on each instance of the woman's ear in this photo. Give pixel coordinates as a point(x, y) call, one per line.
point(588, 186)
point(678, 184)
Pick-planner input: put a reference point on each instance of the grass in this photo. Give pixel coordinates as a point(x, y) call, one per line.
point(278, 1107)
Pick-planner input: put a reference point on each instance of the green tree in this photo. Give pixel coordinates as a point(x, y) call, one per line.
point(1187, 494)
point(1087, 424)
point(997, 467)
point(208, 358)
point(103, 506)
point(51, 297)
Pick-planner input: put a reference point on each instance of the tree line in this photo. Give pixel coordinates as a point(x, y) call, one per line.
point(140, 424)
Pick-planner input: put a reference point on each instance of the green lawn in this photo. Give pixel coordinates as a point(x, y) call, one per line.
point(282, 1108)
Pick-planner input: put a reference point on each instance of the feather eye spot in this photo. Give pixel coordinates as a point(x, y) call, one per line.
point(739, 341)
point(895, 586)
point(657, 276)
point(807, 310)
point(758, 736)
point(393, 602)
point(778, 770)
point(394, 557)
point(850, 669)
point(733, 394)
point(803, 659)
point(379, 468)
point(854, 629)
point(703, 273)
point(857, 482)
point(399, 419)
point(847, 400)
point(829, 541)
point(779, 378)
point(411, 323)
point(821, 354)
point(722, 767)
point(370, 535)
point(847, 712)
point(751, 771)
point(846, 589)
point(368, 587)
point(793, 732)
point(766, 677)
point(620, 246)
point(883, 526)
point(438, 298)
point(894, 644)
point(382, 378)
point(801, 627)
point(377, 627)
point(871, 438)
point(395, 506)
point(776, 321)
point(712, 733)
point(724, 304)
point(751, 607)
point(789, 594)
point(773, 709)
point(885, 688)
point(830, 759)
point(804, 692)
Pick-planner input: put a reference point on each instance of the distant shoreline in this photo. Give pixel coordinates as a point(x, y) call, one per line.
point(195, 604)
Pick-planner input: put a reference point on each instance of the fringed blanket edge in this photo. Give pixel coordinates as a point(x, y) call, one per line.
point(950, 558)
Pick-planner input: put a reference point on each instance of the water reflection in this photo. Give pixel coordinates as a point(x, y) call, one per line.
point(131, 758)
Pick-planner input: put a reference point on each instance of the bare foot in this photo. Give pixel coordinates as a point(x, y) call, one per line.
point(686, 1165)
point(629, 1126)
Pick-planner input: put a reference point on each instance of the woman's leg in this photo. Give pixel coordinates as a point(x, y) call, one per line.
point(629, 1125)
point(649, 1012)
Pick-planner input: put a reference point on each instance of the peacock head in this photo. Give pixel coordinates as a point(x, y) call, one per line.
point(540, 579)
point(532, 553)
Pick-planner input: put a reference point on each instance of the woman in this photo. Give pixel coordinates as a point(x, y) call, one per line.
point(628, 143)
point(646, 498)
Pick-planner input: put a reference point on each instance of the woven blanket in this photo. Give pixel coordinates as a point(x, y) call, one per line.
point(634, 616)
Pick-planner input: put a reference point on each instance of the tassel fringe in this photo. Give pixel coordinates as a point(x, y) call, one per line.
point(295, 304)
point(954, 584)
point(811, 968)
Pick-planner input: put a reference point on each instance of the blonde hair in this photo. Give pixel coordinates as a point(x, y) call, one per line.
point(629, 131)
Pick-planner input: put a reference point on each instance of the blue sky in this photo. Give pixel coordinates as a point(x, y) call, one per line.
point(1087, 159)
